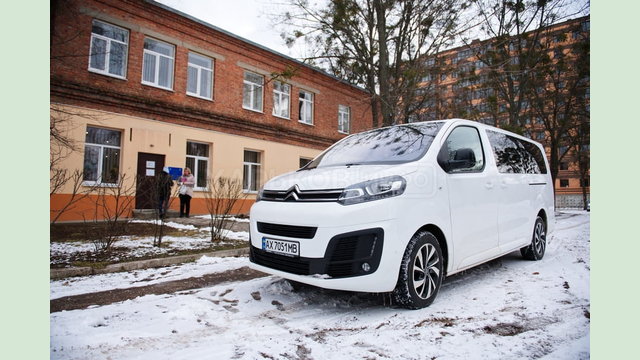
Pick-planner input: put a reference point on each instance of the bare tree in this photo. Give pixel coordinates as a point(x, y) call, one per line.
point(581, 135)
point(79, 191)
point(558, 94)
point(149, 187)
point(377, 44)
point(113, 205)
point(61, 146)
point(520, 41)
point(221, 197)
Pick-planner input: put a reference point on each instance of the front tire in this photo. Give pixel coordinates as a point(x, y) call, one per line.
point(421, 272)
point(535, 251)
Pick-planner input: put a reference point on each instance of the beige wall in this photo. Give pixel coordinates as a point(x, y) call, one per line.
point(226, 152)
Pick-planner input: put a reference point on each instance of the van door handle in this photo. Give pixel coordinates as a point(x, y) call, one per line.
point(488, 185)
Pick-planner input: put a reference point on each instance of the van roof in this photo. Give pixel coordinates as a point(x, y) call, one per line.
point(460, 121)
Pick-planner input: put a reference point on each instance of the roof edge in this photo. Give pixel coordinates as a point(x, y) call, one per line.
point(262, 47)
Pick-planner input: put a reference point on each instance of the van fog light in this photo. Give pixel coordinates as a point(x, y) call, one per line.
point(366, 267)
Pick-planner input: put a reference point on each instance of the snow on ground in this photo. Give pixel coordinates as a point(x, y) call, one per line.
point(232, 218)
point(61, 252)
point(167, 223)
point(508, 308)
point(94, 283)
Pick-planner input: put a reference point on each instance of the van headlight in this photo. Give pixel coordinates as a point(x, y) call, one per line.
point(373, 190)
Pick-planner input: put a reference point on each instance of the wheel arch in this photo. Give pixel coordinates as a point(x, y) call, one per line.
point(442, 241)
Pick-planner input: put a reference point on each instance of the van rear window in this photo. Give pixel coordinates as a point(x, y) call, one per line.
point(516, 156)
point(390, 145)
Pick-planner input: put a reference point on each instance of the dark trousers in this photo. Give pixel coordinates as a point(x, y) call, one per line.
point(185, 205)
point(163, 205)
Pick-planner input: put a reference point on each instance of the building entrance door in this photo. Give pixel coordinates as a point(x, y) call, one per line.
point(149, 165)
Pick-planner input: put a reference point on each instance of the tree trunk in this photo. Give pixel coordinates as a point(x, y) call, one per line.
point(383, 66)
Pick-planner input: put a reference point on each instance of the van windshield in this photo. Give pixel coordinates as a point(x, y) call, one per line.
point(390, 145)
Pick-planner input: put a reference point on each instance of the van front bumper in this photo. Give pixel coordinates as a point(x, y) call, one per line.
point(340, 247)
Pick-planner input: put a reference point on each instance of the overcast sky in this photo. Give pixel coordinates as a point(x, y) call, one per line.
point(246, 18)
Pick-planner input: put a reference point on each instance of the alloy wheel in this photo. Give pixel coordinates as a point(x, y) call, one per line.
point(539, 238)
point(426, 272)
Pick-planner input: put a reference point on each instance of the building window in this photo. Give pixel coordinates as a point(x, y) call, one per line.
point(564, 183)
point(108, 52)
point(200, 76)
point(564, 165)
point(252, 91)
point(101, 156)
point(281, 99)
point(304, 162)
point(584, 182)
point(251, 172)
point(157, 64)
point(198, 161)
point(344, 119)
point(305, 107)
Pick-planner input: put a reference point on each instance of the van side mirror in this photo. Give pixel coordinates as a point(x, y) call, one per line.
point(463, 158)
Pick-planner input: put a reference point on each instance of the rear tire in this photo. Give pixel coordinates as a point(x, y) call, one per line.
point(535, 251)
point(421, 272)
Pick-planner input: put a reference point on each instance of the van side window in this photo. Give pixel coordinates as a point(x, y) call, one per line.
point(536, 155)
point(516, 156)
point(462, 151)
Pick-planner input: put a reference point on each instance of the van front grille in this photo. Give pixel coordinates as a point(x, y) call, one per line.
point(296, 195)
point(294, 265)
point(300, 232)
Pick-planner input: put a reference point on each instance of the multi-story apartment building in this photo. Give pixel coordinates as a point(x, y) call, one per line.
point(536, 84)
point(136, 86)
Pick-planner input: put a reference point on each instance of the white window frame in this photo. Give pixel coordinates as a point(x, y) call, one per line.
point(109, 40)
point(305, 106)
point(157, 57)
point(250, 169)
point(199, 70)
point(344, 116)
point(279, 96)
point(196, 159)
point(101, 148)
point(253, 92)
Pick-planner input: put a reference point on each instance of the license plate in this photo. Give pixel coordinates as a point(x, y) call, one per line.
point(283, 247)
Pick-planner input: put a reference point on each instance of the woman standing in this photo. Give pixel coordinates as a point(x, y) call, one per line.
point(186, 182)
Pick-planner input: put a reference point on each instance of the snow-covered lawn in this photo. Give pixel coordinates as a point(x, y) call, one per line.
point(507, 309)
point(137, 247)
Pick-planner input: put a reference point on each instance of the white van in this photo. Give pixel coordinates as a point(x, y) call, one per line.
point(399, 208)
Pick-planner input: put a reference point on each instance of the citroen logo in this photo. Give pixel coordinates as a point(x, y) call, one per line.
point(292, 193)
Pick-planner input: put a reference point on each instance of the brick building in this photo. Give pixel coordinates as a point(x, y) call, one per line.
point(481, 81)
point(136, 85)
